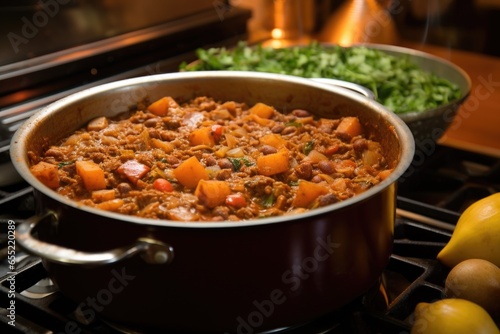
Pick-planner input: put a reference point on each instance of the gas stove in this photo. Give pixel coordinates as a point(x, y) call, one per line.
point(430, 201)
point(424, 224)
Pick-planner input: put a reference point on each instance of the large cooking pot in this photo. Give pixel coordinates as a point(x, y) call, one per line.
point(237, 277)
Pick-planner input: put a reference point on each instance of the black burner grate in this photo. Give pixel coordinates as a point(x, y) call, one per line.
point(413, 275)
point(451, 179)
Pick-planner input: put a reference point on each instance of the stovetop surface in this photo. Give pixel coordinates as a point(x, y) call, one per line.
point(412, 275)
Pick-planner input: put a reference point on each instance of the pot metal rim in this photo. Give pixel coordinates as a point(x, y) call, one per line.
point(20, 160)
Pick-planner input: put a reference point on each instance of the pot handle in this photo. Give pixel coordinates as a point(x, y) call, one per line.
point(152, 251)
point(348, 85)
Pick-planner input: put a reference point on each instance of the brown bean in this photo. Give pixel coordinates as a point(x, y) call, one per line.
point(360, 145)
point(124, 188)
point(151, 122)
point(268, 149)
point(278, 128)
point(326, 166)
point(301, 113)
point(209, 160)
point(327, 199)
point(173, 161)
point(172, 124)
point(289, 130)
point(225, 164)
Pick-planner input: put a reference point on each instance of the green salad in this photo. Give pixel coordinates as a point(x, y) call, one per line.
point(397, 83)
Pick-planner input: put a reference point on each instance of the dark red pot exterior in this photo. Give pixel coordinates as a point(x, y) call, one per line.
point(227, 279)
point(234, 277)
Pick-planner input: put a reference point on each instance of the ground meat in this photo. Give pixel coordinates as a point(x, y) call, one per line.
point(304, 171)
point(224, 174)
point(222, 212)
point(206, 160)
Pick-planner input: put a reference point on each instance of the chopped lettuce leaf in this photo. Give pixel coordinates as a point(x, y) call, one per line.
point(397, 83)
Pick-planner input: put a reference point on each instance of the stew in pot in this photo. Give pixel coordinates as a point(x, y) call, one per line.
point(206, 160)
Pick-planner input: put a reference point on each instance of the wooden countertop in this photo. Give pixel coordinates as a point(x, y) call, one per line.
point(476, 127)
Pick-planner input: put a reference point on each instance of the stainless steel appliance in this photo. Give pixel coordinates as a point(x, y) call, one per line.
point(54, 48)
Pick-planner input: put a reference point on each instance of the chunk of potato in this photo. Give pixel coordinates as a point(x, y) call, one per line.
point(262, 121)
point(103, 195)
point(165, 146)
point(97, 124)
point(111, 205)
point(315, 156)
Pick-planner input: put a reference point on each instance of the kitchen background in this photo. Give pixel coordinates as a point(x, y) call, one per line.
point(469, 25)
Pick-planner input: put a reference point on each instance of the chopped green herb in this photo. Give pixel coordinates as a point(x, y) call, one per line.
point(308, 147)
point(269, 201)
point(397, 82)
point(296, 124)
point(238, 162)
point(64, 163)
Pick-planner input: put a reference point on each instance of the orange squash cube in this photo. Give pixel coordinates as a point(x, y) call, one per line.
point(273, 163)
point(190, 172)
point(350, 126)
point(308, 192)
point(91, 174)
point(262, 110)
point(46, 173)
point(202, 136)
point(212, 193)
point(162, 106)
point(273, 140)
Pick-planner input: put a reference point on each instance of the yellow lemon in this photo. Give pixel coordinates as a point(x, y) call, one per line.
point(476, 235)
point(452, 316)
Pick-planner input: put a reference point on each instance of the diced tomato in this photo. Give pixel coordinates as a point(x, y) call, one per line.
point(236, 200)
point(216, 132)
point(332, 149)
point(133, 170)
point(163, 185)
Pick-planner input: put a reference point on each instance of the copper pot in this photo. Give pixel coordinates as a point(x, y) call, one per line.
point(239, 277)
